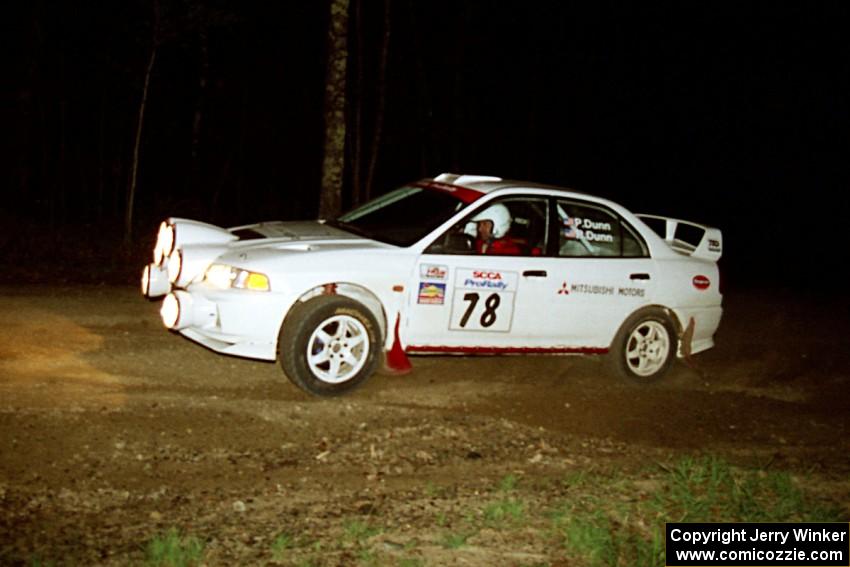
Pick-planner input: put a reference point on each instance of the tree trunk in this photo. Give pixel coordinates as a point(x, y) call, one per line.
point(380, 105)
point(423, 115)
point(29, 94)
point(134, 169)
point(330, 199)
point(240, 150)
point(195, 169)
point(101, 152)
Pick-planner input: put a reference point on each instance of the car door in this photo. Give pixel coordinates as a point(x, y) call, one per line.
point(598, 273)
point(463, 300)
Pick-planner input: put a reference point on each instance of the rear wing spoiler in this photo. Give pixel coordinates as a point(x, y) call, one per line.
point(687, 238)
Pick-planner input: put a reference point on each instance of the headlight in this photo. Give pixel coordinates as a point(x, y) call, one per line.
point(164, 242)
point(174, 266)
point(155, 281)
point(146, 280)
point(170, 311)
point(225, 277)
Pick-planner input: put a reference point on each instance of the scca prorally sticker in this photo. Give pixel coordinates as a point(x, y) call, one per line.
point(486, 279)
point(483, 300)
point(431, 293)
point(433, 272)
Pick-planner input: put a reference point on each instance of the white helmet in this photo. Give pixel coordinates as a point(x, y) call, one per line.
point(499, 215)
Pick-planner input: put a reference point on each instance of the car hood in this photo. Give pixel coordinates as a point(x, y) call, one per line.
point(291, 230)
point(268, 246)
point(264, 241)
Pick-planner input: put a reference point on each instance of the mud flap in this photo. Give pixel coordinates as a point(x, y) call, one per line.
point(686, 339)
point(395, 359)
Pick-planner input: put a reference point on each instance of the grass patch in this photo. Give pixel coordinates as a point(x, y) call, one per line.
point(508, 483)
point(367, 558)
point(173, 550)
point(504, 513)
point(454, 540)
point(507, 511)
point(612, 521)
point(358, 531)
point(710, 490)
point(281, 545)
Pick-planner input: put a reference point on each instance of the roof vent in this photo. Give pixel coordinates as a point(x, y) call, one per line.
point(456, 179)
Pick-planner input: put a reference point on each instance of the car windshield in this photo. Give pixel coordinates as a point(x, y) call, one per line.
point(401, 217)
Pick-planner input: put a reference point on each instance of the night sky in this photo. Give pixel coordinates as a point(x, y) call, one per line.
point(733, 115)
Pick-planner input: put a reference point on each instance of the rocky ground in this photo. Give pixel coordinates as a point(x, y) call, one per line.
point(113, 431)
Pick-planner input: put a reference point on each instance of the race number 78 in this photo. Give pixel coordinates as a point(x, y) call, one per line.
point(491, 304)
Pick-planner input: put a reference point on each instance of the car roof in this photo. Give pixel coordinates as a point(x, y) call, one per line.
point(485, 184)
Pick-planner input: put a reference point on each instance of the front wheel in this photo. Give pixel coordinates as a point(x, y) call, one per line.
point(328, 345)
point(644, 347)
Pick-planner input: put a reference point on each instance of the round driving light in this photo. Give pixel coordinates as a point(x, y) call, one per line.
point(170, 311)
point(175, 265)
point(164, 242)
point(146, 280)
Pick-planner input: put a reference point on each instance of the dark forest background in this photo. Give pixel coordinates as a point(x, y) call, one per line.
point(734, 115)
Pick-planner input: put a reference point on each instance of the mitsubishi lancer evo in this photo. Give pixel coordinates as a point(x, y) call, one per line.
point(457, 264)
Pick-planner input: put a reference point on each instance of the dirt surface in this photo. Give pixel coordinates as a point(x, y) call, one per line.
point(113, 430)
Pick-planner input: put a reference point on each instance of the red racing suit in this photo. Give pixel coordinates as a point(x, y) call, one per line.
point(499, 247)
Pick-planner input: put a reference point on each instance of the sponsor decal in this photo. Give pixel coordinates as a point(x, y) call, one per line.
point(442, 186)
point(465, 194)
point(713, 245)
point(589, 230)
point(483, 300)
point(431, 293)
point(433, 272)
point(701, 282)
point(591, 236)
point(570, 231)
point(592, 289)
point(483, 279)
point(631, 291)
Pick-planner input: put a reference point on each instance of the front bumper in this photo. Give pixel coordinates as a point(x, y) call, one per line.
point(237, 322)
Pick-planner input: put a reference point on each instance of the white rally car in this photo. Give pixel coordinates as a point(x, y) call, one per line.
point(409, 272)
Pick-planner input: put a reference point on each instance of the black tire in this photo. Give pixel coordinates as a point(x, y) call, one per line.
point(338, 330)
point(645, 346)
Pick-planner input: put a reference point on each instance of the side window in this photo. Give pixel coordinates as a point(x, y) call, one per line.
point(633, 245)
point(586, 230)
point(518, 226)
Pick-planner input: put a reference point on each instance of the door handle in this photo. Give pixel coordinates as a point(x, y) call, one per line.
point(534, 273)
point(639, 276)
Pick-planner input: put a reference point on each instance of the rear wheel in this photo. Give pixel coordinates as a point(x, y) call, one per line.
point(644, 347)
point(329, 345)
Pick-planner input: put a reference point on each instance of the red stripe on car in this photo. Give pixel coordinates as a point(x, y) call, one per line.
point(503, 350)
point(464, 194)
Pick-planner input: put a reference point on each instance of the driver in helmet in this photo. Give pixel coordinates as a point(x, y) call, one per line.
point(490, 228)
